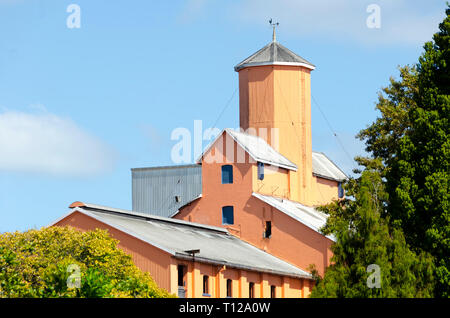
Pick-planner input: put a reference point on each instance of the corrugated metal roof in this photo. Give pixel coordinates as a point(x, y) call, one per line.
point(308, 216)
point(107, 209)
point(274, 54)
point(325, 168)
point(176, 237)
point(163, 190)
point(257, 148)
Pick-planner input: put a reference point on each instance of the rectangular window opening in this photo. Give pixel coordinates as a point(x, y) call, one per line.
point(227, 215)
point(340, 190)
point(273, 292)
point(260, 171)
point(229, 288)
point(227, 174)
point(268, 229)
point(205, 285)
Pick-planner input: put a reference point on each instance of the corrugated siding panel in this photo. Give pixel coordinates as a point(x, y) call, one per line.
point(154, 190)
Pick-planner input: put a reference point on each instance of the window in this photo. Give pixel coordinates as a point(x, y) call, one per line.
point(340, 190)
point(251, 290)
point(260, 171)
point(206, 285)
point(181, 272)
point(273, 291)
point(229, 288)
point(268, 229)
point(227, 215)
point(227, 174)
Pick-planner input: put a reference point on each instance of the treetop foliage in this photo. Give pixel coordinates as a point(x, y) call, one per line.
point(38, 263)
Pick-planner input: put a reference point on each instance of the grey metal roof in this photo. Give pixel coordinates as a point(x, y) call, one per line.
point(163, 190)
point(308, 216)
point(176, 237)
point(274, 54)
point(107, 209)
point(325, 168)
point(257, 148)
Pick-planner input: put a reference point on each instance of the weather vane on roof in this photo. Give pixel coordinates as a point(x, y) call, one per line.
point(274, 25)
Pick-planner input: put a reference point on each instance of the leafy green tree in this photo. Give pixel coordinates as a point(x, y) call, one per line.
point(48, 263)
point(412, 138)
point(364, 238)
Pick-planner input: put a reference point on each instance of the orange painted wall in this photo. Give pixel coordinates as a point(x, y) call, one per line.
point(216, 195)
point(276, 96)
point(290, 241)
point(240, 283)
point(164, 268)
point(276, 181)
point(324, 190)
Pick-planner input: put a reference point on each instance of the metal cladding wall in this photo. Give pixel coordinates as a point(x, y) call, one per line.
point(155, 190)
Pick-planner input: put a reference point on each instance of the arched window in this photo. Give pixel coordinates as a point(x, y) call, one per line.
point(227, 174)
point(227, 215)
point(273, 292)
point(205, 285)
point(251, 290)
point(229, 288)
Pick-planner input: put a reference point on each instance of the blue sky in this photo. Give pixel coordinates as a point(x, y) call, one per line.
point(79, 107)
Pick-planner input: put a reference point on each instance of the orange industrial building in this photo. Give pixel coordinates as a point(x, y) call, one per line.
point(240, 222)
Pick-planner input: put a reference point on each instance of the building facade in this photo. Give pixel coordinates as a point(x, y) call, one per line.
point(191, 259)
point(241, 221)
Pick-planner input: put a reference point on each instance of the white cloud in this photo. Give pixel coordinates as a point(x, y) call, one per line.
point(47, 144)
point(402, 22)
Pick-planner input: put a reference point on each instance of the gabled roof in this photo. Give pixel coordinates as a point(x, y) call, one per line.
point(177, 237)
point(274, 54)
point(308, 216)
point(323, 167)
point(258, 149)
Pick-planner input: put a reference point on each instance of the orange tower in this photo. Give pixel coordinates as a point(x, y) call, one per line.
point(275, 94)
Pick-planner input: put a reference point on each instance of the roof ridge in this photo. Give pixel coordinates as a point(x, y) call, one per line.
point(106, 209)
point(274, 53)
point(286, 209)
point(230, 131)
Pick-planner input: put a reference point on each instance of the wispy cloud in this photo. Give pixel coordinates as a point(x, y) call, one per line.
point(405, 22)
point(402, 22)
point(43, 143)
point(192, 9)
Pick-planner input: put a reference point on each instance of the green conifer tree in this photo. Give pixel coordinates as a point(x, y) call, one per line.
point(365, 240)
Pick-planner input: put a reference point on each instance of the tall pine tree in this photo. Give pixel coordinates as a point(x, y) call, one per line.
point(400, 210)
point(412, 138)
point(364, 239)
